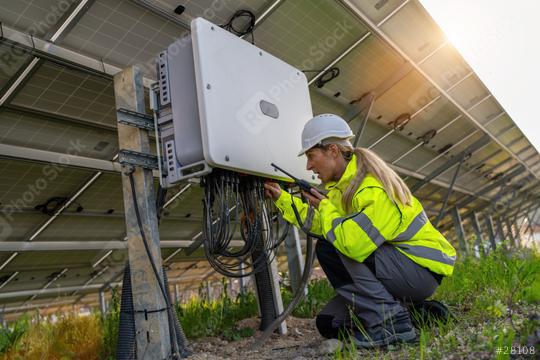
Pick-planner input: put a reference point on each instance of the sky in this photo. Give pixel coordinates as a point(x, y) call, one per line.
point(500, 40)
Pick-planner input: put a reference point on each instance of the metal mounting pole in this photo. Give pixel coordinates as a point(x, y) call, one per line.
point(517, 234)
point(102, 303)
point(530, 223)
point(366, 108)
point(242, 279)
point(510, 233)
point(276, 293)
point(294, 257)
point(500, 232)
point(445, 202)
point(479, 238)
point(448, 164)
point(459, 229)
point(208, 290)
point(513, 223)
point(512, 173)
point(230, 293)
point(176, 294)
point(491, 233)
point(268, 292)
point(151, 324)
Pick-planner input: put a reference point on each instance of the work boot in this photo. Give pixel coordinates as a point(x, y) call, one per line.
point(325, 325)
point(398, 328)
point(429, 311)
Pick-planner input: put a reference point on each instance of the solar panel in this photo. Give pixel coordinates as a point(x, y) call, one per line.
point(33, 17)
point(377, 11)
point(360, 73)
point(217, 12)
point(408, 96)
point(416, 41)
point(46, 133)
point(485, 111)
point(64, 91)
point(32, 184)
point(286, 35)
point(446, 67)
point(468, 92)
point(57, 105)
point(122, 33)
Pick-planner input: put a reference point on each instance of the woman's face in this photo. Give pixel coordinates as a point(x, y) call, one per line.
point(324, 163)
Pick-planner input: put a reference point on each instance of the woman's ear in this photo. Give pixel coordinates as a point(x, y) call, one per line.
point(334, 150)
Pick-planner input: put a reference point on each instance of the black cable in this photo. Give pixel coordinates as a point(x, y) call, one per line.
point(327, 75)
point(230, 199)
point(160, 202)
point(308, 267)
point(248, 29)
point(172, 330)
point(222, 190)
point(301, 224)
point(52, 205)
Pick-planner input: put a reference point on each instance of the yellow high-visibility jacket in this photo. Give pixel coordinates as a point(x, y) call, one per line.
point(375, 219)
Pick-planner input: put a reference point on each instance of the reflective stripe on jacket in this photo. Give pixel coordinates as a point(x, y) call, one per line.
point(374, 219)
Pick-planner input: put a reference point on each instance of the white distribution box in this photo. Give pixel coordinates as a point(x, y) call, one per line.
point(226, 103)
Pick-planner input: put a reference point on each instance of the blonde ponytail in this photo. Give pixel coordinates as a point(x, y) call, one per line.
point(369, 162)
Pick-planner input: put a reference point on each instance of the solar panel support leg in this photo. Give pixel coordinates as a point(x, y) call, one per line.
point(458, 224)
point(152, 328)
point(447, 196)
point(530, 224)
point(491, 233)
point(294, 258)
point(510, 233)
point(479, 243)
point(267, 287)
point(102, 303)
point(500, 234)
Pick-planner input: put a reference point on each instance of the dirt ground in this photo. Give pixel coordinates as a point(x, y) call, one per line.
point(302, 341)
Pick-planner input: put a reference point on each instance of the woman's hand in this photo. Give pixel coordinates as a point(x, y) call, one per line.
point(272, 190)
point(313, 197)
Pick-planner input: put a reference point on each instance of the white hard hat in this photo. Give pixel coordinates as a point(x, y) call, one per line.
point(322, 127)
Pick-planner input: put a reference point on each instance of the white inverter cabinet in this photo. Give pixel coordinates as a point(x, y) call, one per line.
point(225, 103)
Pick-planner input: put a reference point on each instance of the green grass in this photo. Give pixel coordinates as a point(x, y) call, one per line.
point(109, 327)
point(319, 293)
point(495, 301)
point(71, 337)
point(11, 334)
point(201, 317)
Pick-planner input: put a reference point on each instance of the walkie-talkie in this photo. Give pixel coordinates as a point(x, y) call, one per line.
point(302, 184)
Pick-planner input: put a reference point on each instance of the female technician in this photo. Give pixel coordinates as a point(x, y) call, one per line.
point(380, 250)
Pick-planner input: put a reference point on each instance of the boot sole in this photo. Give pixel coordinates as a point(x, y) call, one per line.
point(409, 336)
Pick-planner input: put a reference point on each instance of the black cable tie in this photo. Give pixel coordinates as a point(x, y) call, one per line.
point(157, 310)
point(323, 78)
point(1, 31)
point(145, 311)
point(399, 123)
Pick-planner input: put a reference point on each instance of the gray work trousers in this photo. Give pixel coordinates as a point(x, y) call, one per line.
point(374, 289)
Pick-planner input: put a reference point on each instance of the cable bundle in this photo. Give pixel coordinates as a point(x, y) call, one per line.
point(247, 28)
point(234, 202)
